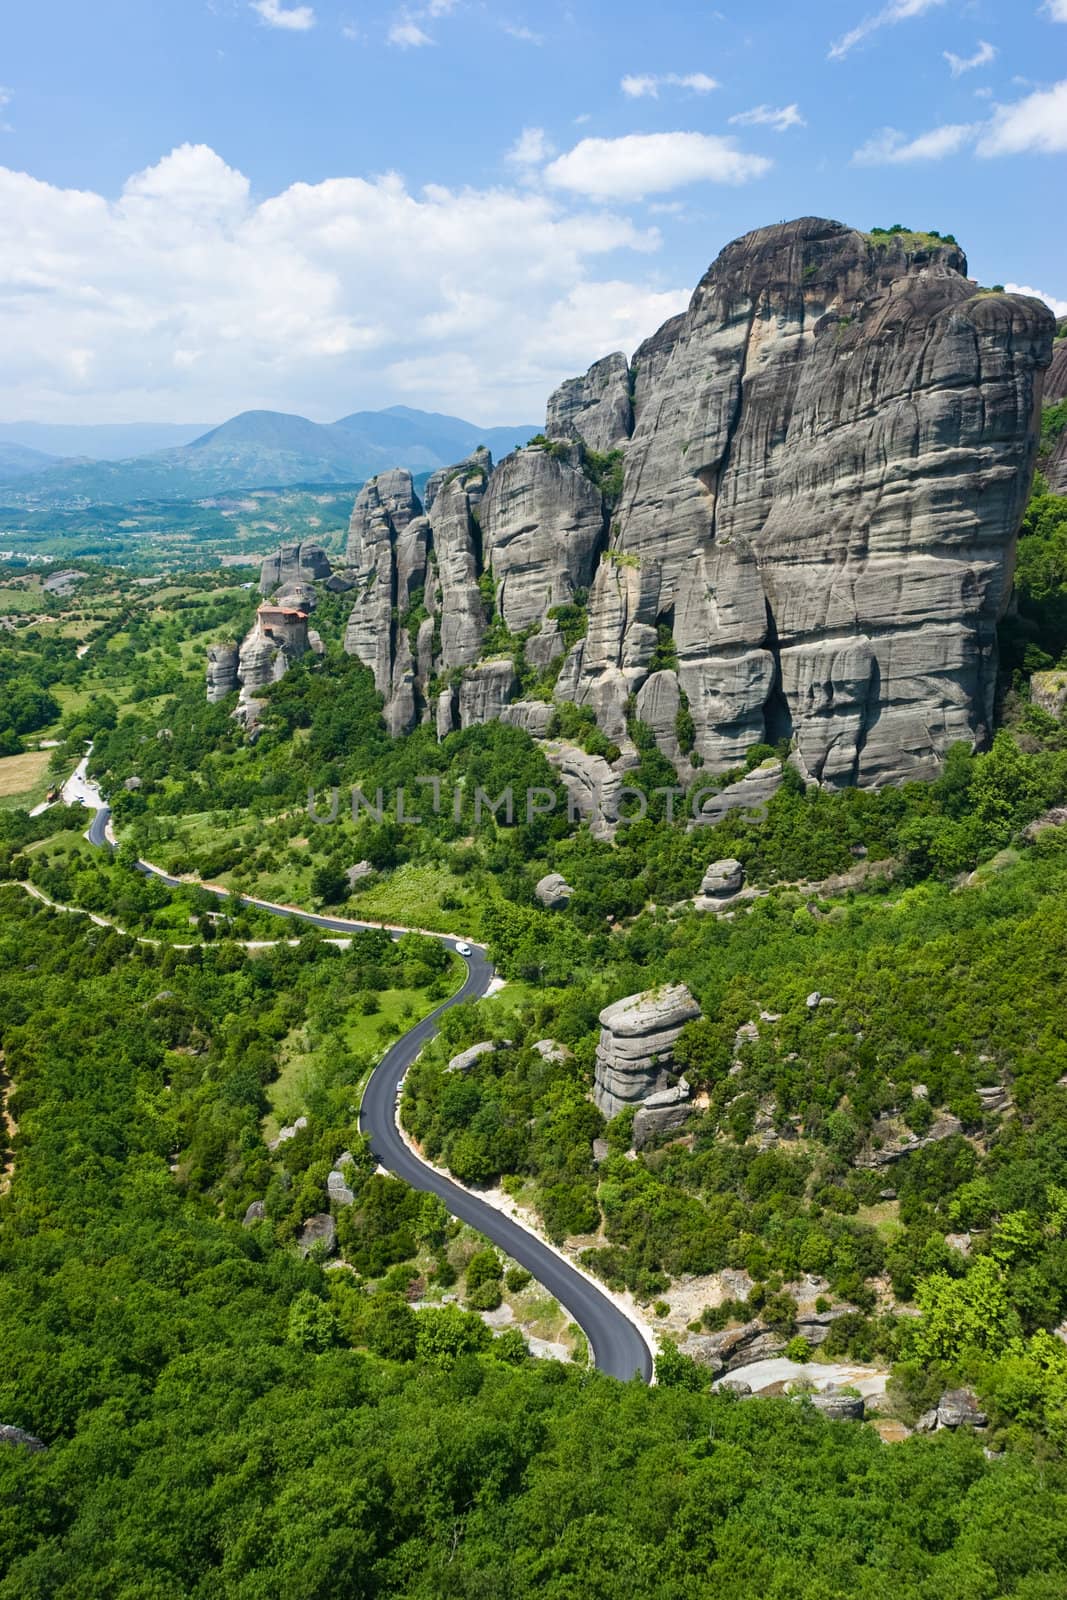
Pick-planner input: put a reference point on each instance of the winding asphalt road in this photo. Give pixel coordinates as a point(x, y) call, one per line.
point(616, 1345)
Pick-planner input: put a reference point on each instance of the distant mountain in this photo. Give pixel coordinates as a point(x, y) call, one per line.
point(260, 449)
point(16, 460)
point(101, 441)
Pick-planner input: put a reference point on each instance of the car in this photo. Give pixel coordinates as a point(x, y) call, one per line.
point(463, 949)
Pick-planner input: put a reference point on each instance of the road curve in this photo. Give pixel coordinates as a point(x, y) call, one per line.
point(617, 1346)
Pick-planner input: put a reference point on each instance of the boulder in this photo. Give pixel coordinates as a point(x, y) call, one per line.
point(544, 647)
point(664, 1112)
point(723, 878)
point(838, 1407)
point(591, 784)
point(337, 1185)
point(959, 1408)
point(748, 795)
point(318, 1234)
point(256, 1212)
point(551, 1051)
point(289, 1132)
point(897, 1145)
point(466, 1058)
point(358, 873)
point(635, 1056)
point(553, 891)
point(1049, 691)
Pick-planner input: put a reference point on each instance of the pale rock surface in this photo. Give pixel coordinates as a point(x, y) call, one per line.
point(484, 691)
point(635, 1055)
point(304, 563)
point(595, 408)
point(542, 528)
point(221, 671)
point(723, 878)
point(553, 891)
point(749, 794)
point(533, 716)
point(822, 494)
point(664, 1112)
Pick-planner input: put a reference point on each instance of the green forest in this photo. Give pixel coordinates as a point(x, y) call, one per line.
point(259, 1365)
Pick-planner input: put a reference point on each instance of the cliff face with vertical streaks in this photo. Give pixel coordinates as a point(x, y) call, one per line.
point(821, 499)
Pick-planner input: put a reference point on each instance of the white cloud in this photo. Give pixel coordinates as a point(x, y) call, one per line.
point(1037, 123)
point(524, 35)
point(648, 85)
point(531, 148)
point(985, 53)
point(298, 19)
point(896, 11)
point(779, 119)
point(407, 35)
point(648, 163)
point(187, 296)
point(892, 148)
point(1059, 307)
point(1057, 10)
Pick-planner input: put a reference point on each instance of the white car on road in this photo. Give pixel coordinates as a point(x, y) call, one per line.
point(463, 949)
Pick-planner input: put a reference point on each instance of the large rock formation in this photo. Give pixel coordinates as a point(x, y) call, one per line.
point(826, 460)
point(1054, 464)
point(278, 637)
point(635, 1056)
point(821, 499)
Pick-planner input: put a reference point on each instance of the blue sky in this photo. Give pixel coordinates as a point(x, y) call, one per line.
point(213, 204)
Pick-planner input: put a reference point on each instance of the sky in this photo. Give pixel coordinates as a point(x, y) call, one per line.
point(208, 206)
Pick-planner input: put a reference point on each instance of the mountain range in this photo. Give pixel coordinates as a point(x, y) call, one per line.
point(256, 449)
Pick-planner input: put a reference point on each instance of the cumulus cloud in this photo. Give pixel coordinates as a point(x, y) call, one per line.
point(187, 295)
point(1059, 307)
point(407, 35)
point(892, 148)
point(531, 148)
point(779, 118)
point(298, 19)
point(896, 11)
point(1057, 10)
point(958, 65)
point(648, 163)
point(524, 35)
point(1038, 123)
point(647, 85)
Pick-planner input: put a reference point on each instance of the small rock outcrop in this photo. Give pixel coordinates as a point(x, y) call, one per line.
point(595, 408)
point(221, 671)
point(665, 1112)
point(319, 1234)
point(723, 879)
point(337, 1186)
point(635, 1056)
point(553, 891)
point(837, 1407)
point(484, 691)
point(256, 1212)
point(466, 1058)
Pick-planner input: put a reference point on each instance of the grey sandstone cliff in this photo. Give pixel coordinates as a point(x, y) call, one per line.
point(825, 463)
point(542, 526)
point(821, 499)
point(293, 564)
point(595, 408)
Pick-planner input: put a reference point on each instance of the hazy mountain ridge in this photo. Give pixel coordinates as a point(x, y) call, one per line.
point(255, 449)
